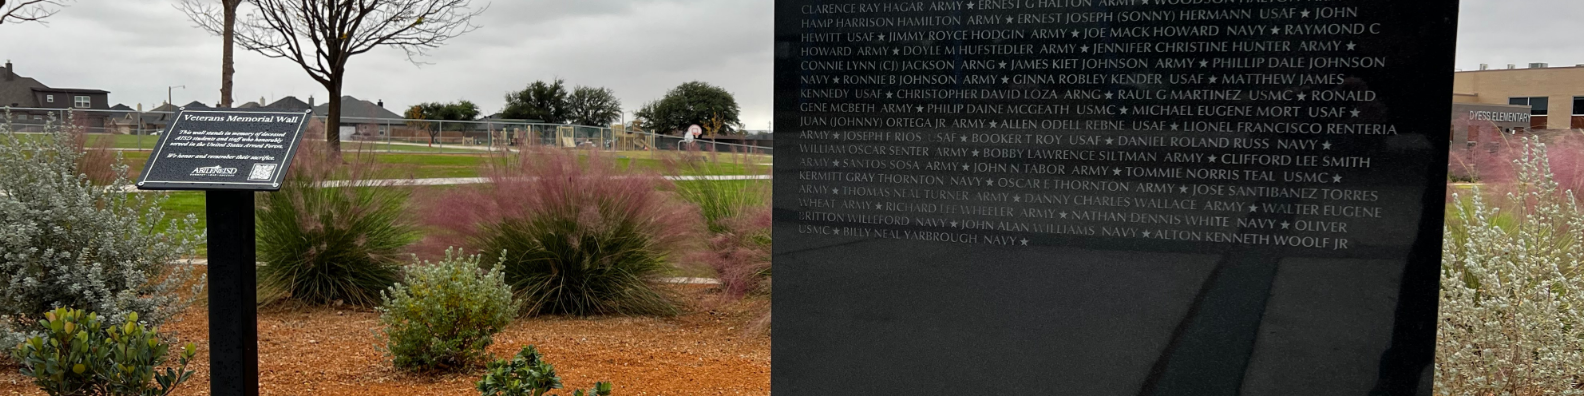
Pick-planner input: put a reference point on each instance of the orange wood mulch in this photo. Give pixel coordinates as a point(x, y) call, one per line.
point(328, 351)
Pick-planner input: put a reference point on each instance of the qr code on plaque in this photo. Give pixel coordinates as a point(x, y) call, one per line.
point(262, 172)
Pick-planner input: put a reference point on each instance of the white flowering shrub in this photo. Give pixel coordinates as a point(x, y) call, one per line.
point(68, 243)
point(1511, 290)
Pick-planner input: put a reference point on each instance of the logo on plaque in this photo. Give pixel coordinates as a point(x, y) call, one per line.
point(213, 171)
point(262, 172)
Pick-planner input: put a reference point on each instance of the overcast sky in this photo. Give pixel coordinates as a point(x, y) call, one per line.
point(639, 48)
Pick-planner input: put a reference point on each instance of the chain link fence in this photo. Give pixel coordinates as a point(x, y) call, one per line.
point(139, 130)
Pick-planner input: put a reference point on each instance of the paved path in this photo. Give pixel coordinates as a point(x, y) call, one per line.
point(454, 181)
point(676, 280)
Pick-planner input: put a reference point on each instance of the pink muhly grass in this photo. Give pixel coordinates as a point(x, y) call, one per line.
point(336, 231)
point(580, 235)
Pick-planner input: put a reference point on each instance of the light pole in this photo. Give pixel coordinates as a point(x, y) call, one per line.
point(168, 94)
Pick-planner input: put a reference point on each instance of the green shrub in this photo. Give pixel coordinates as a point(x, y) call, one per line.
point(581, 237)
point(66, 242)
point(333, 233)
point(1512, 290)
point(527, 374)
point(445, 314)
point(78, 355)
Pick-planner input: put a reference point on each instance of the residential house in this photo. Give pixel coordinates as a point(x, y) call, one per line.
point(361, 119)
point(39, 100)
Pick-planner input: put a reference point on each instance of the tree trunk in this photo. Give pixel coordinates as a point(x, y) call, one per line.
point(333, 120)
point(227, 66)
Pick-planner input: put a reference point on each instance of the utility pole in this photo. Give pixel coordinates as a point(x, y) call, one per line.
point(168, 93)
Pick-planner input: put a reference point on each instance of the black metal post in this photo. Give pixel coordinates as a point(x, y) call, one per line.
point(233, 313)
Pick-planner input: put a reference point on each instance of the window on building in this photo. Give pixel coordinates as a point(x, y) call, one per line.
point(49, 98)
point(1538, 105)
point(1578, 105)
point(82, 102)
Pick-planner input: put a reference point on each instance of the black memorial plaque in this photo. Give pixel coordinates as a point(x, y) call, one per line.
point(224, 150)
point(1123, 197)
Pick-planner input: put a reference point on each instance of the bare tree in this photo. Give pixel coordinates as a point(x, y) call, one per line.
point(321, 35)
point(203, 13)
point(18, 11)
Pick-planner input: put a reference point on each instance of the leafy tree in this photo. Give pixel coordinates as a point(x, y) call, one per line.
point(321, 36)
point(540, 101)
point(18, 11)
point(693, 103)
point(422, 116)
point(593, 106)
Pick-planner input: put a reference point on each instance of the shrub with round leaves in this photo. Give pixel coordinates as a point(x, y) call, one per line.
point(444, 315)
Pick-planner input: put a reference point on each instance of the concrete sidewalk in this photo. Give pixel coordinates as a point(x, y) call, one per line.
point(675, 280)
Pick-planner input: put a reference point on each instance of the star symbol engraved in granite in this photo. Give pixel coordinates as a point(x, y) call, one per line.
point(1204, 63)
point(1108, 95)
point(992, 124)
point(1146, 234)
point(1009, 19)
point(1117, 171)
point(1005, 80)
point(1124, 110)
point(835, 191)
point(1146, 1)
point(1326, 145)
point(954, 224)
point(1355, 113)
point(976, 153)
point(1302, 96)
point(1109, 140)
point(1003, 65)
point(920, 109)
point(1275, 30)
point(1305, 13)
point(1017, 198)
point(970, 5)
point(878, 206)
point(1025, 242)
point(1174, 127)
point(965, 167)
point(895, 51)
point(1352, 46)
point(1286, 225)
point(990, 181)
point(1063, 215)
point(1253, 208)
point(963, 138)
point(1184, 189)
point(1213, 79)
point(1075, 34)
point(1084, 48)
point(1212, 159)
point(1336, 179)
point(889, 95)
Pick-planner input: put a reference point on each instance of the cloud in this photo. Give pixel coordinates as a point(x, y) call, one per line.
point(639, 48)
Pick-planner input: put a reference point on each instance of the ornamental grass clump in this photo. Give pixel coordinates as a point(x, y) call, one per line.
point(444, 315)
point(335, 232)
point(67, 242)
point(737, 213)
point(580, 236)
point(1512, 303)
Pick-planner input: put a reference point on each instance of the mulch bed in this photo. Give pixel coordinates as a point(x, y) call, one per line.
point(330, 351)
